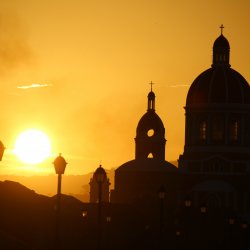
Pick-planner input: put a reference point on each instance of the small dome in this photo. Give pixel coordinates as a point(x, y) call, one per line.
point(151, 95)
point(100, 170)
point(221, 43)
point(218, 85)
point(150, 120)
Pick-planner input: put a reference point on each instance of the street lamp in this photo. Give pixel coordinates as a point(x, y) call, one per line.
point(245, 238)
point(231, 221)
point(161, 193)
point(2, 148)
point(187, 218)
point(60, 165)
point(162, 196)
point(100, 175)
point(187, 202)
point(203, 209)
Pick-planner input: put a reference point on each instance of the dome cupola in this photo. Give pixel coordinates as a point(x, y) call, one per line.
point(151, 99)
point(221, 51)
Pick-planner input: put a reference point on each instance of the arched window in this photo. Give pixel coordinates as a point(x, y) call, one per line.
point(203, 130)
point(234, 131)
point(217, 129)
point(150, 155)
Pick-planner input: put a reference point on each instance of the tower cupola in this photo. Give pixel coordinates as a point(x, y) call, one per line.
point(151, 99)
point(221, 51)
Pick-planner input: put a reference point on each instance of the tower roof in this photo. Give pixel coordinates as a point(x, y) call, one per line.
point(148, 121)
point(221, 52)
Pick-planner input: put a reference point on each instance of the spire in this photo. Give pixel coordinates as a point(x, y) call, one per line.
point(221, 51)
point(151, 98)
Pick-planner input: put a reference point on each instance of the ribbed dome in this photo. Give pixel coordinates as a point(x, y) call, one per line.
point(218, 85)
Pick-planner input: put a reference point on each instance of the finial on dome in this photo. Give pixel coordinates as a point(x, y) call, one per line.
point(221, 29)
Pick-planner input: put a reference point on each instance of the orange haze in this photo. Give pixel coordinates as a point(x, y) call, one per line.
point(79, 71)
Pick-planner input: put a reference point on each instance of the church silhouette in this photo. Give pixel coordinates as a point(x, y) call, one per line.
point(205, 201)
point(214, 167)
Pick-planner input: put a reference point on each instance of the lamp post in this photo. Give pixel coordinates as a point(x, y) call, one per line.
point(162, 196)
point(232, 232)
point(187, 214)
point(100, 175)
point(203, 211)
point(2, 148)
point(60, 165)
point(187, 202)
point(244, 232)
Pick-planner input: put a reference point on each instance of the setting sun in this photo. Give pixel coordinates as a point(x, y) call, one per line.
point(32, 146)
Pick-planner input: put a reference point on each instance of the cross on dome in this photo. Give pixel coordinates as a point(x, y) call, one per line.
point(221, 29)
point(151, 83)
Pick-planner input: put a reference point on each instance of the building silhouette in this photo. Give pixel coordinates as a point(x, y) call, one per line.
point(213, 170)
point(217, 135)
point(139, 179)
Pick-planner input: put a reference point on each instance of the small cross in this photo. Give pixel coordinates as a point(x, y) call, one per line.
point(151, 83)
point(221, 28)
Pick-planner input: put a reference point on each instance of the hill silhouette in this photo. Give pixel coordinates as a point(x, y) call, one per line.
point(27, 219)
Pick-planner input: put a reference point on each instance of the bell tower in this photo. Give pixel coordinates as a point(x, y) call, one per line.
point(150, 133)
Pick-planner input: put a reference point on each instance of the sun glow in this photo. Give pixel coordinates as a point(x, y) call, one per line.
point(32, 146)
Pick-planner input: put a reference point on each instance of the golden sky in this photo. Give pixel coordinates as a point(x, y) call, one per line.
point(88, 63)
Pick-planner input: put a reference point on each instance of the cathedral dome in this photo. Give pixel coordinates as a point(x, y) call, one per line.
point(220, 84)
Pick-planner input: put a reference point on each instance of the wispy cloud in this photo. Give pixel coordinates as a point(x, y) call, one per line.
point(34, 85)
point(179, 85)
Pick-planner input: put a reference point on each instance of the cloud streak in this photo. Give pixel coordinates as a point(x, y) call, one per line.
point(34, 85)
